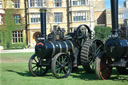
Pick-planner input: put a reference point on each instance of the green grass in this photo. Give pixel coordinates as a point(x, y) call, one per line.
point(16, 73)
point(15, 57)
point(7, 56)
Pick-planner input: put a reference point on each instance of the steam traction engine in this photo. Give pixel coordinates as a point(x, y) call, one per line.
point(115, 52)
point(61, 53)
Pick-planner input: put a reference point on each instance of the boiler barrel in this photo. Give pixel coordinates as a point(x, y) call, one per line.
point(50, 48)
point(116, 47)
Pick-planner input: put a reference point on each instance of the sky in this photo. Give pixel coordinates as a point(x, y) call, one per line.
point(107, 3)
point(121, 4)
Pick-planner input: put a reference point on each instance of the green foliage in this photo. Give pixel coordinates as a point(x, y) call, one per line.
point(102, 33)
point(9, 21)
point(6, 41)
point(17, 56)
point(5, 38)
point(18, 46)
point(8, 27)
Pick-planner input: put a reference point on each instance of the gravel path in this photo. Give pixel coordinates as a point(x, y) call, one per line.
point(17, 51)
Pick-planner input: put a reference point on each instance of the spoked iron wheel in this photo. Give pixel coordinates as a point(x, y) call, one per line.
point(89, 52)
point(35, 66)
point(61, 65)
point(102, 69)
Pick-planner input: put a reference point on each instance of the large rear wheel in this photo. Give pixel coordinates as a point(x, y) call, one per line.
point(89, 52)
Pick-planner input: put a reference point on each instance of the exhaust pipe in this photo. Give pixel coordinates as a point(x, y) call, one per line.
point(114, 14)
point(43, 22)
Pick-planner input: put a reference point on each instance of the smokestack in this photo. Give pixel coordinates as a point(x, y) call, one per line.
point(114, 14)
point(43, 22)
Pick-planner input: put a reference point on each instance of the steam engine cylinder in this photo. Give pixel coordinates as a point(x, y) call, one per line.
point(116, 48)
point(47, 49)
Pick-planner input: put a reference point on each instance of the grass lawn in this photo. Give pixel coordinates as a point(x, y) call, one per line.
point(14, 71)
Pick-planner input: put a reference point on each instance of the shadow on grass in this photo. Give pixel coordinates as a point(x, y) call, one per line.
point(85, 76)
point(79, 74)
point(49, 75)
point(28, 74)
point(118, 77)
point(121, 78)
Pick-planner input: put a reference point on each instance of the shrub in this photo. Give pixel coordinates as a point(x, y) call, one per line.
point(102, 33)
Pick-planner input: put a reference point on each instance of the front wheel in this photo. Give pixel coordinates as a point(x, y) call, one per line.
point(35, 66)
point(61, 65)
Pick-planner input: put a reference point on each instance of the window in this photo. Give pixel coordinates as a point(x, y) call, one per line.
point(37, 3)
point(17, 36)
point(35, 18)
point(79, 2)
point(17, 19)
point(57, 17)
point(1, 19)
point(82, 2)
point(58, 3)
point(80, 16)
point(32, 4)
point(0, 4)
point(121, 16)
point(75, 3)
point(16, 4)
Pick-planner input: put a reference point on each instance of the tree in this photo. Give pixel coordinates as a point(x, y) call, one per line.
point(102, 33)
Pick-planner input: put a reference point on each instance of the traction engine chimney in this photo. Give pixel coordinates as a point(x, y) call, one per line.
point(114, 14)
point(43, 22)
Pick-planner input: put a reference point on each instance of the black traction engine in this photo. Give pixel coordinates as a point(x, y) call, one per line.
point(61, 53)
point(115, 52)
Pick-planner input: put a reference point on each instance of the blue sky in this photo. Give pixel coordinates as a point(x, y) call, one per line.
point(107, 3)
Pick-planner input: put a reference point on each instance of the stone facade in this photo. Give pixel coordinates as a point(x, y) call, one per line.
point(87, 12)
